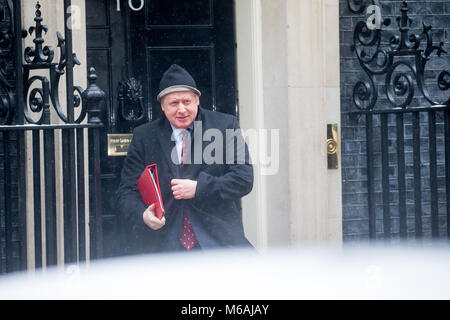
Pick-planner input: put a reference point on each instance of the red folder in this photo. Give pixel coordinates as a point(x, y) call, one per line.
point(148, 185)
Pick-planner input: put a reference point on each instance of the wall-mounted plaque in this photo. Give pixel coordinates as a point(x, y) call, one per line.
point(118, 144)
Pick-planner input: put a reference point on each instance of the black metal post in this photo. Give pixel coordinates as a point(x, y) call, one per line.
point(447, 165)
point(81, 196)
point(68, 137)
point(401, 176)
point(37, 199)
point(50, 197)
point(93, 96)
point(21, 157)
point(385, 176)
point(69, 189)
point(69, 61)
point(370, 180)
point(97, 191)
point(50, 189)
point(433, 174)
point(417, 175)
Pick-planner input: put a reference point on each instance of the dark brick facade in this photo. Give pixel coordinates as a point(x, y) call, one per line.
point(353, 131)
point(12, 201)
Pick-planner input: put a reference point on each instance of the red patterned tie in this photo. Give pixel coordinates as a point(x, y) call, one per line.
point(188, 239)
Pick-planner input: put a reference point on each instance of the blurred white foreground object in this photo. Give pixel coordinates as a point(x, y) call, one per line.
point(362, 272)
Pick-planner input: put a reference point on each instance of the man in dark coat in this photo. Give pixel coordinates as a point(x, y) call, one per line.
point(201, 182)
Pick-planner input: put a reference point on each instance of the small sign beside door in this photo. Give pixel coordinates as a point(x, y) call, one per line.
point(118, 144)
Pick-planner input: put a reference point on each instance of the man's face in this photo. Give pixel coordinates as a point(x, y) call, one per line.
point(180, 108)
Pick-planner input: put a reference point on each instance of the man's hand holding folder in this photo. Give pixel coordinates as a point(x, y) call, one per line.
point(148, 185)
point(151, 220)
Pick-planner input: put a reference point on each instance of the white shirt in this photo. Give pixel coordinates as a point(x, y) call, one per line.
point(177, 134)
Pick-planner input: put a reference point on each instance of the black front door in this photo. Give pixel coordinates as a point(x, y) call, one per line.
point(131, 44)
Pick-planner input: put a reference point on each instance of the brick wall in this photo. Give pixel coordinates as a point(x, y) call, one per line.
point(353, 131)
point(8, 142)
point(12, 202)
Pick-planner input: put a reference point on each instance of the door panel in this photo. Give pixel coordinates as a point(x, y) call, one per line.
point(198, 35)
point(163, 13)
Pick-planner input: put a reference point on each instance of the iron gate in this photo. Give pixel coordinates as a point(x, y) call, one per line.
point(27, 95)
point(407, 128)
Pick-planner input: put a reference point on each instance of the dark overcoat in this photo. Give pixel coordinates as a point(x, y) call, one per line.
point(214, 212)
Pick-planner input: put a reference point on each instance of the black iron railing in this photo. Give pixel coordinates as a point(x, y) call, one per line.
point(25, 108)
point(394, 101)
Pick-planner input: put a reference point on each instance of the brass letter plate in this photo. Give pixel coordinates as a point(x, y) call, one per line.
point(332, 145)
point(118, 144)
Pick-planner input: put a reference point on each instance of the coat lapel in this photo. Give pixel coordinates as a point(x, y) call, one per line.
point(195, 151)
point(168, 146)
